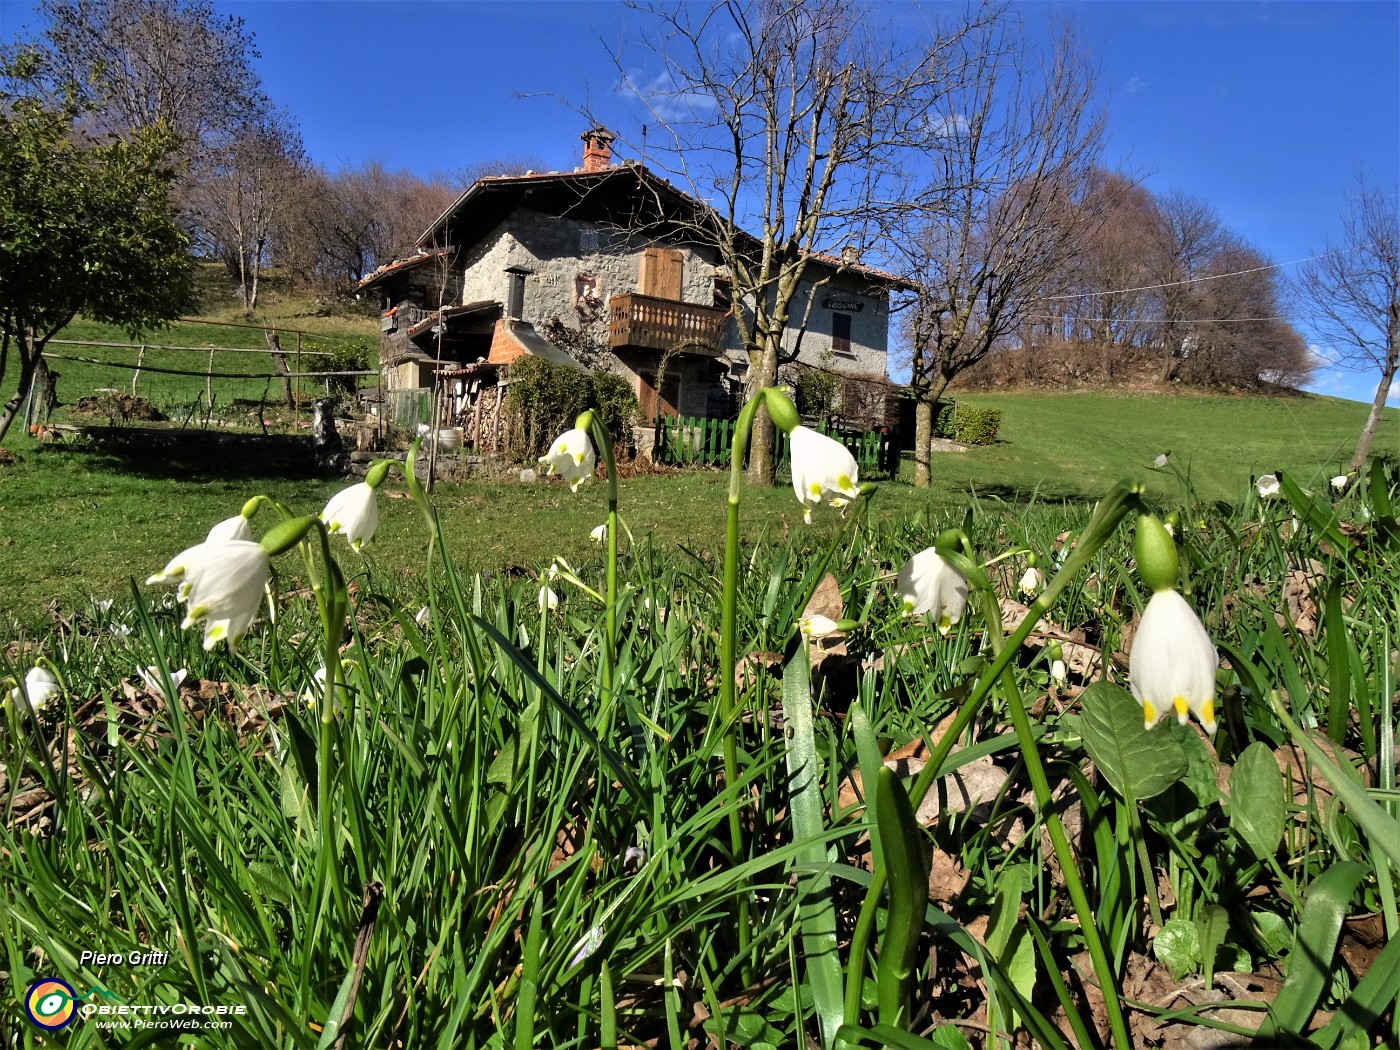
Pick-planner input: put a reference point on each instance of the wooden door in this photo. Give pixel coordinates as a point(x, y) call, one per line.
point(662, 273)
point(669, 398)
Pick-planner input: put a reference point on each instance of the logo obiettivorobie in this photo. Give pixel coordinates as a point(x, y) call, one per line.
point(50, 1003)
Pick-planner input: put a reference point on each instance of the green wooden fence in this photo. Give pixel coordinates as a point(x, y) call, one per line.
point(689, 441)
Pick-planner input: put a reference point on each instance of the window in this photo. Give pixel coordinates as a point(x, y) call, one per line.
point(841, 333)
point(515, 293)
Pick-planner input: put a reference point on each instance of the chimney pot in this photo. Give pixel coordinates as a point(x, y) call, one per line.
point(597, 149)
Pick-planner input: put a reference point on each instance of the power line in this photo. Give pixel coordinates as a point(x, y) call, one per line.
point(1178, 284)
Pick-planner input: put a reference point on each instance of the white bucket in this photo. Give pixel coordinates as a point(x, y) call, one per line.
point(448, 439)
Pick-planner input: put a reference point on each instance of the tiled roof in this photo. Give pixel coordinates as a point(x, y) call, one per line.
point(399, 265)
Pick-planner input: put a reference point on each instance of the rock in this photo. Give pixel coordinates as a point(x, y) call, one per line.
point(528, 476)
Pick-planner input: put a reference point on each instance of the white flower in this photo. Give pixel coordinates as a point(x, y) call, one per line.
point(821, 468)
point(234, 528)
point(103, 606)
point(1173, 661)
point(1266, 485)
point(1059, 674)
point(223, 585)
point(586, 945)
point(316, 690)
point(39, 687)
point(150, 675)
point(548, 599)
point(121, 630)
point(1032, 581)
point(599, 534)
point(818, 626)
point(1340, 482)
point(1160, 461)
point(352, 512)
point(423, 616)
point(929, 584)
point(571, 457)
point(424, 430)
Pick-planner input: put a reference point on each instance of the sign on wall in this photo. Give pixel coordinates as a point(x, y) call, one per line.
point(850, 305)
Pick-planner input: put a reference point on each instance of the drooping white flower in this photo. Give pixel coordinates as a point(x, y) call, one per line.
point(1032, 582)
point(928, 583)
point(1160, 461)
point(1059, 674)
point(353, 513)
point(316, 690)
point(120, 630)
point(35, 692)
point(821, 468)
point(234, 528)
point(1266, 485)
point(423, 616)
point(1173, 661)
point(548, 599)
point(599, 534)
point(817, 626)
point(102, 606)
point(222, 583)
point(1340, 482)
point(150, 675)
point(571, 457)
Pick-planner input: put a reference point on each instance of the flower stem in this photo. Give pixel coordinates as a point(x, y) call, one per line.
point(604, 442)
point(728, 645)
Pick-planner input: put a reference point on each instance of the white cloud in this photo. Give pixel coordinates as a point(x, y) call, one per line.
point(663, 97)
point(1137, 84)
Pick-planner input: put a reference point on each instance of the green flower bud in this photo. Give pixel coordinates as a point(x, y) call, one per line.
point(1157, 562)
point(846, 625)
point(584, 421)
point(781, 410)
point(1032, 560)
point(285, 535)
point(867, 488)
point(378, 471)
point(251, 507)
point(949, 540)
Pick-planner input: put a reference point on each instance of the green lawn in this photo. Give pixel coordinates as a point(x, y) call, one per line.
point(1078, 444)
point(76, 524)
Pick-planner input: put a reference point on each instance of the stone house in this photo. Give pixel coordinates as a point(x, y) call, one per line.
point(604, 266)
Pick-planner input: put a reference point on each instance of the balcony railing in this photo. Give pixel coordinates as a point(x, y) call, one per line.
point(665, 324)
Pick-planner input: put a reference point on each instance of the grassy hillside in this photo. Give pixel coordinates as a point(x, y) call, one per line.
point(1077, 444)
point(213, 342)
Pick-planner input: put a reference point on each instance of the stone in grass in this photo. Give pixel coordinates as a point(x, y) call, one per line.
point(528, 476)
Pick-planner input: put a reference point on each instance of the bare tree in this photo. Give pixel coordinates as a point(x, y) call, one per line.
point(1017, 141)
point(792, 119)
point(1189, 239)
point(1352, 295)
point(244, 189)
point(148, 63)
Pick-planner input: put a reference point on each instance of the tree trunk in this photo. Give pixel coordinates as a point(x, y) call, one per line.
point(1373, 419)
point(279, 358)
point(28, 355)
point(923, 436)
point(925, 415)
point(762, 461)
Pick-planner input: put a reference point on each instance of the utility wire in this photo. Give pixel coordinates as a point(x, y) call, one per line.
point(1178, 284)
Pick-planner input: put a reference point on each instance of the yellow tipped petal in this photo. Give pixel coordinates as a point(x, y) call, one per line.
point(1149, 714)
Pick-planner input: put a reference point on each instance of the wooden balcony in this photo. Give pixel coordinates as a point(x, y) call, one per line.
point(664, 324)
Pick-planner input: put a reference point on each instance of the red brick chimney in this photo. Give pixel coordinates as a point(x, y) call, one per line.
point(597, 149)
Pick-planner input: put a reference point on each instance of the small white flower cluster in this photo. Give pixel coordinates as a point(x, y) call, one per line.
point(222, 580)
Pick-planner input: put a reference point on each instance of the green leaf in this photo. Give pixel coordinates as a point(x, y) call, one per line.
point(906, 859)
point(1177, 946)
point(817, 909)
point(1258, 809)
point(1310, 961)
point(1212, 924)
point(1137, 763)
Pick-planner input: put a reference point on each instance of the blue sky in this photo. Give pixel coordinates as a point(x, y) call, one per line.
point(1264, 110)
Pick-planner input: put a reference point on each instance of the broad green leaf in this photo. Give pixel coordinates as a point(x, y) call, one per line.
point(1310, 961)
point(1258, 810)
point(1137, 763)
point(1177, 946)
point(906, 859)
